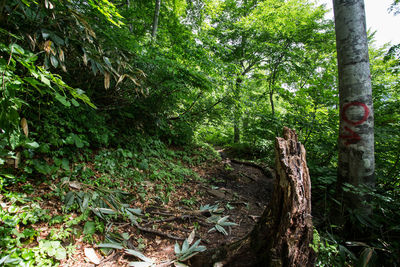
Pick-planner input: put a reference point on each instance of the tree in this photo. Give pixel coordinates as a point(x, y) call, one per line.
point(356, 129)
point(269, 35)
point(155, 20)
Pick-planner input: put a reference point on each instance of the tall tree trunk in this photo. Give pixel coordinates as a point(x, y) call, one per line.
point(155, 20)
point(356, 129)
point(271, 101)
point(237, 113)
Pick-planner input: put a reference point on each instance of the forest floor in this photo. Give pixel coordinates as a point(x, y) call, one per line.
point(231, 188)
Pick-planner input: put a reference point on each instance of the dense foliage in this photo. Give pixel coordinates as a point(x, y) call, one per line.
point(86, 81)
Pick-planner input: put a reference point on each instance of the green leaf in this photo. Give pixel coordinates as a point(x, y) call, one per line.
point(63, 100)
point(85, 202)
point(140, 264)
point(32, 145)
point(69, 199)
point(17, 49)
point(107, 211)
point(180, 264)
point(74, 102)
point(61, 253)
point(107, 61)
point(135, 211)
point(185, 246)
point(177, 248)
point(45, 80)
point(89, 228)
point(65, 164)
point(78, 141)
point(54, 61)
point(59, 41)
point(221, 229)
point(110, 245)
point(139, 255)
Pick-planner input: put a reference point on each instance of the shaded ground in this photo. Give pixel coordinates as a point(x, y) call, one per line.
point(233, 188)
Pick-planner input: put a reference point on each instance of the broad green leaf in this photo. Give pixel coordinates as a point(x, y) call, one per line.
point(140, 264)
point(17, 49)
point(60, 253)
point(107, 61)
point(135, 211)
point(59, 41)
point(85, 202)
point(177, 248)
point(107, 211)
point(45, 80)
point(63, 100)
point(89, 228)
point(221, 229)
point(110, 245)
point(180, 264)
point(185, 246)
point(74, 102)
point(138, 255)
point(32, 145)
point(54, 61)
point(65, 164)
point(69, 199)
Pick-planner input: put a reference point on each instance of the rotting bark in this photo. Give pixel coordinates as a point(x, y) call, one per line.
point(284, 232)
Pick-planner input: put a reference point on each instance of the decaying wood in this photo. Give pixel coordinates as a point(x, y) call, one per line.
point(284, 232)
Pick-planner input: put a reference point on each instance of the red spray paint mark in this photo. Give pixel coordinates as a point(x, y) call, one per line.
point(353, 137)
point(365, 117)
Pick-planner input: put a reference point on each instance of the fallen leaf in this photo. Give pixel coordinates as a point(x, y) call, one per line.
point(92, 256)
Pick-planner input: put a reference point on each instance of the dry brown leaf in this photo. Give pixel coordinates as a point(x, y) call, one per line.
point(24, 125)
point(75, 185)
point(191, 237)
point(61, 55)
point(17, 160)
point(85, 60)
point(106, 80)
point(92, 256)
point(32, 42)
point(47, 46)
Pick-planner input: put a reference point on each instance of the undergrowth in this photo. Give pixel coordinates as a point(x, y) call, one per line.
point(95, 187)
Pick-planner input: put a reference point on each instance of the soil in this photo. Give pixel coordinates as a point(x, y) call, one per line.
point(240, 190)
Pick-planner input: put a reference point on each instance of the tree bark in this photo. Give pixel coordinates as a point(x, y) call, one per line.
point(284, 232)
point(356, 129)
point(237, 112)
point(155, 20)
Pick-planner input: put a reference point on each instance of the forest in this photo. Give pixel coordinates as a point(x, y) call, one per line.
point(144, 133)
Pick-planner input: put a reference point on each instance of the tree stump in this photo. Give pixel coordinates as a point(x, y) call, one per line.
point(283, 235)
point(284, 232)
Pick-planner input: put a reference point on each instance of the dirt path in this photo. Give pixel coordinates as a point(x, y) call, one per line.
point(241, 192)
point(233, 188)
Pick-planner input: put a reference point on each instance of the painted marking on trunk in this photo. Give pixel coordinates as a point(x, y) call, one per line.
point(352, 137)
point(357, 104)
